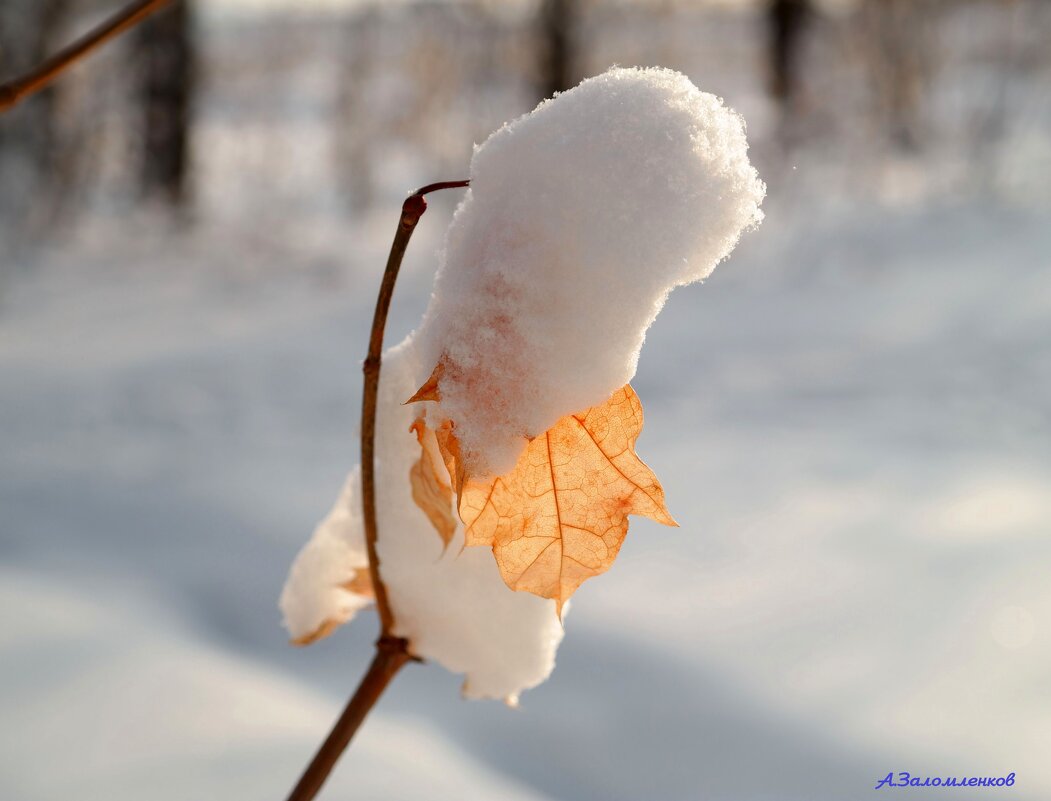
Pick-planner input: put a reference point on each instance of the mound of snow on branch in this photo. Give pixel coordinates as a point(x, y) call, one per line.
point(582, 216)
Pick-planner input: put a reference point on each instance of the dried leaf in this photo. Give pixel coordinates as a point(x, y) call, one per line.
point(429, 391)
point(449, 447)
point(361, 584)
point(560, 516)
point(429, 491)
point(319, 633)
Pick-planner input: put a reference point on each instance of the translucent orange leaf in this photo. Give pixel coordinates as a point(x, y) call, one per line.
point(560, 516)
point(429, 491)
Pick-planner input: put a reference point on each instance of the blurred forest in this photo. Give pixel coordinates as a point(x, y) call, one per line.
point(213, 111)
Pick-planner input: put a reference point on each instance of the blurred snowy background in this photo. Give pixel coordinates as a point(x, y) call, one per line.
point(852, 418)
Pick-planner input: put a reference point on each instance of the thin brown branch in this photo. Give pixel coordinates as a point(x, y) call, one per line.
point(391, 652)
point(389, 659)
point(411, 211)
point(36, 79)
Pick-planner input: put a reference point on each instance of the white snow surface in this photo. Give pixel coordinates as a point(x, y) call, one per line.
point(148, 709)
point(860, 582)
point(581, 217)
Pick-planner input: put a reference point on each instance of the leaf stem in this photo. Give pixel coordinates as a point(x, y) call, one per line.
point(36, 79)
point(392, 652)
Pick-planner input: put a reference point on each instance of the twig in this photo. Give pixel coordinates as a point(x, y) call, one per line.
point(36, 79)
point(411, 211)
point(391, 652)
point(389, 659)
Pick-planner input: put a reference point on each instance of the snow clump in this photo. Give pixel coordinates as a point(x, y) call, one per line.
point(581, 217)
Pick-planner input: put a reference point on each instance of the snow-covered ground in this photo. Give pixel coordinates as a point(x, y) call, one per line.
point(851, 419)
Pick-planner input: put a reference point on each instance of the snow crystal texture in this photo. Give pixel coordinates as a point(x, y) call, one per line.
point(582, 216)
point(316, 595)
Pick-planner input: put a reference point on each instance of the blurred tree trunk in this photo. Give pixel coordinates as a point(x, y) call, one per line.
point(786, 24)
point(902, 60)
point(29, 32)
point(556, 24)
point(164, 53)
